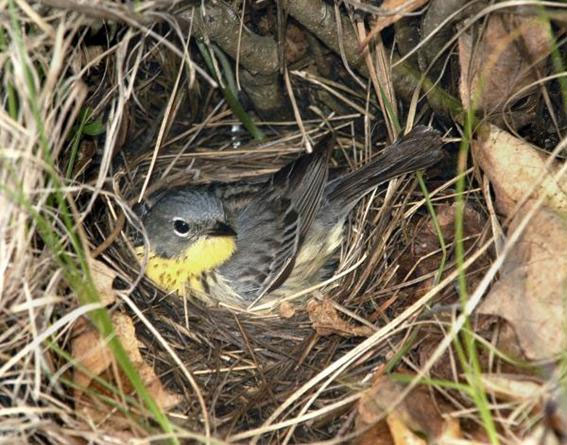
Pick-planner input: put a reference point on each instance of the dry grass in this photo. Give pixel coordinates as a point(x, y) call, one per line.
point(261, 377)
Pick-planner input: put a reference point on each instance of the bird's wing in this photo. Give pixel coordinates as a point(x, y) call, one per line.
point(303, 182)
point(267, 242)
point(272, 226)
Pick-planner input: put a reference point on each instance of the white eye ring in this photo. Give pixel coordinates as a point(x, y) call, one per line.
point(180, 227)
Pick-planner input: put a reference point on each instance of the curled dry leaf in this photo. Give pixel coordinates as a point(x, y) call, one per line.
point(530, 294)
point(95, 361)
point(513, 388)
point(516, 169)
point(327, 321)
point(418, 414)
point(103, 277)
point(506, 59)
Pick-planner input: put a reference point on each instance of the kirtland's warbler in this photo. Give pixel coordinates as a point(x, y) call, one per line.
point(238, 242)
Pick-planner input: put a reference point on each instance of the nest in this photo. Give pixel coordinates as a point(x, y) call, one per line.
point(248, 364)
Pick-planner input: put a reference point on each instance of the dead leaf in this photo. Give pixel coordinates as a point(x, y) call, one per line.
point(372, 415)
point(327, 321)
point(530, 294)
point(378, 434)
point(287, 310)
point(505, 60)
point(494, 151)
point(103, 277)
point(418, 414)
point(401, 433)
point(95, 361)
point(512, 388)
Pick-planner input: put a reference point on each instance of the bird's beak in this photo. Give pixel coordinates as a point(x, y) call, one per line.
point(221, 229)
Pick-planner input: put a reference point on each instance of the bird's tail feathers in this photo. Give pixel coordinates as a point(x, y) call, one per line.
point(420, 148)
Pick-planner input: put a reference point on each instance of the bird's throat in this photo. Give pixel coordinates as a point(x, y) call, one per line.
point(183, 273)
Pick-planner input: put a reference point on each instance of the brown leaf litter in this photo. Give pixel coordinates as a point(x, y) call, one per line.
point(326, 320)
point(530, 293)
point(417, 416)
point(95, 364)
point(505, 62)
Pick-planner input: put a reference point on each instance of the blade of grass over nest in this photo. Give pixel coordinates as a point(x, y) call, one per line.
point(391, 115)
point(468, 355)
point(438, 95)
point(556, 58)
point(75, 267)
point(465, 341)
point(179, 363)
point(473, 301)
point(400, 352)
point(228, 88)
point(446, 384)
point(436, 226)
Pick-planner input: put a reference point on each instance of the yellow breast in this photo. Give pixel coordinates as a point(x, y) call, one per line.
point(183, 273)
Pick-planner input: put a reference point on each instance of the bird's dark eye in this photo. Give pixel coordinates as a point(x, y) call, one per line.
point(180, 227)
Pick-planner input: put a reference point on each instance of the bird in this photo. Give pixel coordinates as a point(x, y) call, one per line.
point(238, 243)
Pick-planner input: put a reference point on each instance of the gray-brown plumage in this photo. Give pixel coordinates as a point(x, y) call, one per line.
point(285, 229)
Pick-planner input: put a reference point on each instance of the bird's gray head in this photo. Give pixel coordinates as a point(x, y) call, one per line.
point(177, 218)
